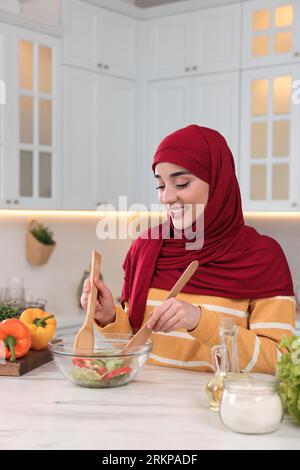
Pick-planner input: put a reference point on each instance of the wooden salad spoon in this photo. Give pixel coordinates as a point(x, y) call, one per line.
point(144, 332)
point(84, 340)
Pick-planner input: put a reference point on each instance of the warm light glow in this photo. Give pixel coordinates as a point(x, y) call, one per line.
point(261, 20)
point(284, 16)
point(63, 214)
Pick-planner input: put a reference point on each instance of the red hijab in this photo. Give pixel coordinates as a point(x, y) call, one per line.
point(235, 261)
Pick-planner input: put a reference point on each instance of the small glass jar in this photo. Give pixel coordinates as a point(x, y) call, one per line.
point(251, 403)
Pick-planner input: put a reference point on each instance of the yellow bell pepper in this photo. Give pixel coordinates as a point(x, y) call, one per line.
point(41, 325)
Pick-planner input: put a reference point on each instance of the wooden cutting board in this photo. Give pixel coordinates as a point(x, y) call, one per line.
point(30, 361)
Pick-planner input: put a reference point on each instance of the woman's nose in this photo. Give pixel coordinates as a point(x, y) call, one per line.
point(168, 196)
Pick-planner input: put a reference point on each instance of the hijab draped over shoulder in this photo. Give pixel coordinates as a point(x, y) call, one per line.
point(235, 261)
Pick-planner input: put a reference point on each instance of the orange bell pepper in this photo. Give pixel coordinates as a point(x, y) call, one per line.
point(16, 338)
point(42, 327)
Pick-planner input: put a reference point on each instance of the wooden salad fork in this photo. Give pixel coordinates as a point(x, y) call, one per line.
point(144, 332)
point(84, 340)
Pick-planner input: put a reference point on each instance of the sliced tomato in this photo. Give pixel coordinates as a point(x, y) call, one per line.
point(80, 362)
point(117, 372)
point(100, 370)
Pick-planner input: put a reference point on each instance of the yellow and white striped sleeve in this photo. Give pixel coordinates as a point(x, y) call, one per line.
point(270, 319)
point(121, 323)
point(258, 335)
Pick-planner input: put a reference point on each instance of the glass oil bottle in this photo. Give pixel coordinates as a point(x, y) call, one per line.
point(224, 360)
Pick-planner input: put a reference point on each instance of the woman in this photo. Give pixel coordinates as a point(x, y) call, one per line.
point(241, 275)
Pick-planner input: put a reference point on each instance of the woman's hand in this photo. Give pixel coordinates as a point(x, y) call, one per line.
point(105, 311)
point(173, 314)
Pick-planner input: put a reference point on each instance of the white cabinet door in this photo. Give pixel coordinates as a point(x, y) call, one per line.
point(6, 199)
point(116, 44)
point(169, 46)
point(97, 39)
point(270, 139)
point(169, 105)
point(82, 174)
point(216, 105)
point(116, 130)
point(194, 43)
point(35, 105)
point(80, 38)
point(216, 39)
point(271, 33)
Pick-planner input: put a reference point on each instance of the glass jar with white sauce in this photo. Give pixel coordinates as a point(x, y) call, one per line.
point(251, 403)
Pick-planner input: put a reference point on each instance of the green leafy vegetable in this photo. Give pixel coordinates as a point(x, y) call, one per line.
point(289, 373)
point(96, 372)
point(9, 311)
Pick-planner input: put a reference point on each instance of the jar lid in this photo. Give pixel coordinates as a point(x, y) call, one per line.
point(251, 383)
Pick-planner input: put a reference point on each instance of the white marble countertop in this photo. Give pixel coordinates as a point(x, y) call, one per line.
point(163, 408)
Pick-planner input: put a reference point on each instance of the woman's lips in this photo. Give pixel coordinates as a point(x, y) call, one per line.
point(177, 213)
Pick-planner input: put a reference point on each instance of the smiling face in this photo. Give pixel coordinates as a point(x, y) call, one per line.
point(184, 194)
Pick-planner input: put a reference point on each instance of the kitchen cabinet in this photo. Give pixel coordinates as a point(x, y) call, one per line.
point(201, 42)
point(270, 139)
point(117, 104)
point(209, 100)
point(271, 32)
point(80, 149)
point(99, 116)
point(4, 113)
point(99, 40)
point(31, 131)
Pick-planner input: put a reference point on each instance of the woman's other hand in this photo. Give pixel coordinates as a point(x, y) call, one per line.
point(105, 311)
point(173, 314)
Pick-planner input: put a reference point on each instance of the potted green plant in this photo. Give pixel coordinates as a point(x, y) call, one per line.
point(40, 243)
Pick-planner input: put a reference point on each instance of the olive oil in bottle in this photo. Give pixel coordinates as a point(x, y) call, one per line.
point(224, 360)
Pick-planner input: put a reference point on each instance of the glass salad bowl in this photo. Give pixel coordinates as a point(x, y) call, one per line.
point(107, 366)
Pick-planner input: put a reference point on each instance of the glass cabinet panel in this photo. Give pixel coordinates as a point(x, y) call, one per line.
point(26, 119)
point(258, 182)
point(45, 69)
point(284, 16)
point(36, 109)
point(45, 122)
point(281, 138)
point(26, 65)
point(259, 139)
point(283, 42)
point(45, 174)
point(270, 139)
point(271, 32)
point(261, 20)
point(282, 87)
point(260, 97)
point(280, 183)
point(26, 173)
point(260, 46)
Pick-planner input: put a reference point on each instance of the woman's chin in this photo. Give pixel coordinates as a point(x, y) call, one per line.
point(181, 224)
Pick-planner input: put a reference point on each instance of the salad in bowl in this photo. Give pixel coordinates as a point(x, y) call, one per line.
point(108, 366)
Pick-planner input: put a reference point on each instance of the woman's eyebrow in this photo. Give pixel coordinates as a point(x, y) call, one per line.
point(177, 173)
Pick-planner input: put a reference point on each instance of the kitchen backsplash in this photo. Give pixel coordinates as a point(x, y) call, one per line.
point(58, 280)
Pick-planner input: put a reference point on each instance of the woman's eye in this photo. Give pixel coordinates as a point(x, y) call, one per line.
point(178, 186)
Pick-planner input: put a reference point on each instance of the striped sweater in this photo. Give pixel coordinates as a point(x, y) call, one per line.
point(261, 324)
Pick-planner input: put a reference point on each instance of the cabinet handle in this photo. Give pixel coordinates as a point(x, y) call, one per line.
point(100, 65)
point(8, 201)
point(16, 201)
point(294, 204)
point(195, 67)
point(187, 69)
point(106, 67)
point(297, 54)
